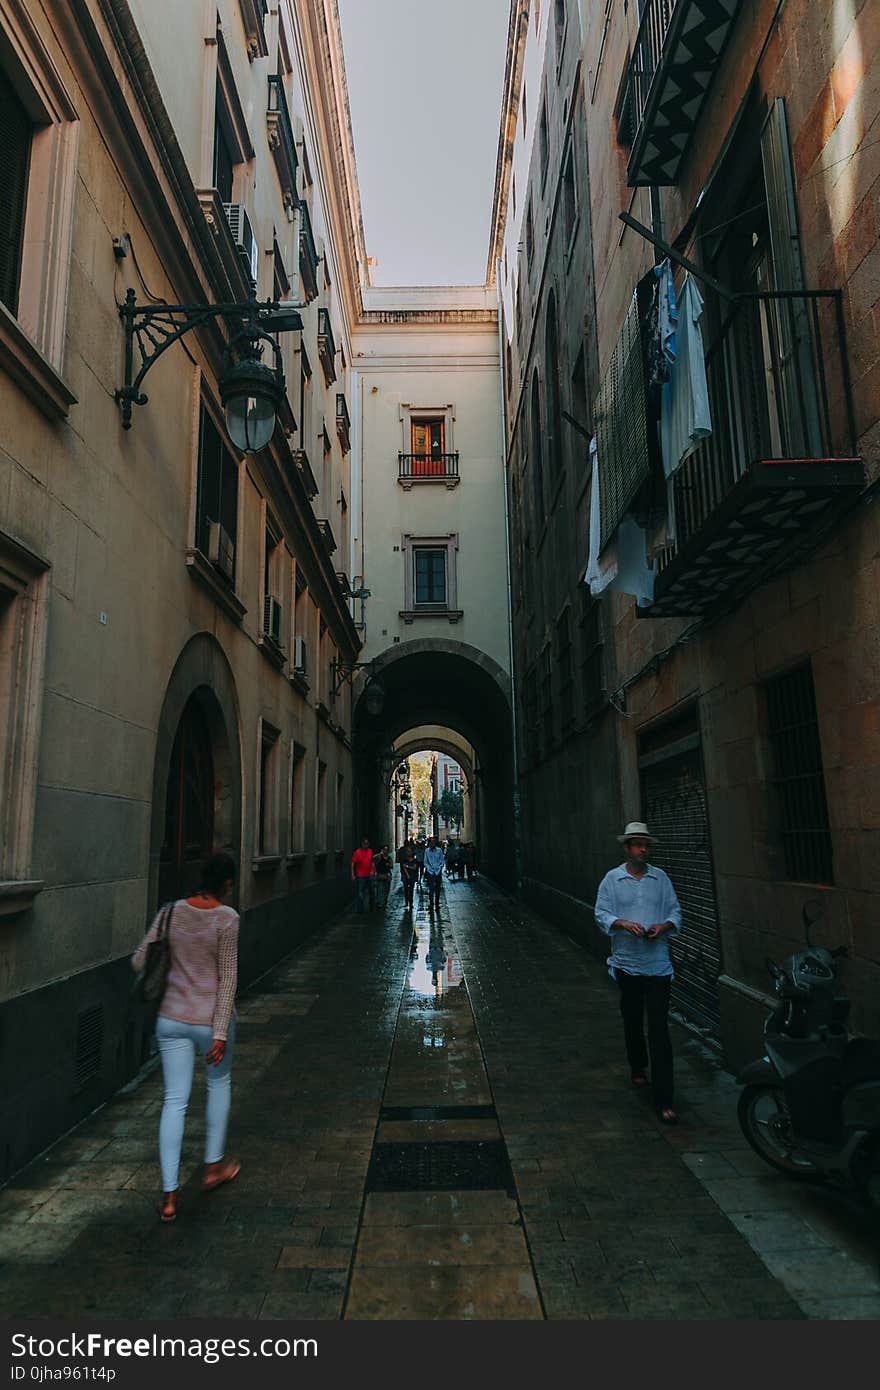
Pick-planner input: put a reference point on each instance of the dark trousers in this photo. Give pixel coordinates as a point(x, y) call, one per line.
point(434, 881)
point(640, 994)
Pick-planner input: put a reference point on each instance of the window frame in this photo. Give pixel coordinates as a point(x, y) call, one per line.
point(412, 610)
point(267, 828)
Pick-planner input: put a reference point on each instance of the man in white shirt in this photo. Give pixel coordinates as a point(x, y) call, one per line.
point(434, 862)
point(636, 906)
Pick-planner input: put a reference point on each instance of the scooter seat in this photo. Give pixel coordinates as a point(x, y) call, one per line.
point(860, 1063)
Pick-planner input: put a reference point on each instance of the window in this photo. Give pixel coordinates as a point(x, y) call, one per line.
point(524, 111)
point(273, 558)
point(297, 798)
point(225, 154)
point(300, 626)
point(430, 586)
point(23, 611)
point(554, 403)
point(580, 406)
point(537, 453)
point(569, 197)
point(561, 20)
point(216, 499)
point(798, 778)
point(305, 396)
point(563, 663)
point(430, 575)
point(267, 806)
point(428, 440)
point(321, 808)
point(532, 721)
point(15, 125)
point(530, 235)
point(39, 129)
point(592, 694)
point(544, 142)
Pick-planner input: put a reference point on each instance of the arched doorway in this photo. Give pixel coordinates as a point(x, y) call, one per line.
point(445, 685)
point(188, 837)
point(197, 772)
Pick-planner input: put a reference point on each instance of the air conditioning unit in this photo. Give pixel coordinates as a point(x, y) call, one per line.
point(300, 652)
point(221, 549)
point(272, 619)
point(243, 236)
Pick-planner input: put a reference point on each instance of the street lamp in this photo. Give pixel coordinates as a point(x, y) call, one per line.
point(250, 391)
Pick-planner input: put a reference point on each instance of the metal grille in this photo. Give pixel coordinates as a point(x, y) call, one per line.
point(675, 810)
point(622, 426)
point(15, 142)
point(445, 1166)
point(798, 777)
point(89, 1041)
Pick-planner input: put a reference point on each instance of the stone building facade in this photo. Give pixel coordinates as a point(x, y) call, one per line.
point(739, 709)
point(173, 613)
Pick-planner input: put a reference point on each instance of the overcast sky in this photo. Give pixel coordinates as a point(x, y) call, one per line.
point(424, 79)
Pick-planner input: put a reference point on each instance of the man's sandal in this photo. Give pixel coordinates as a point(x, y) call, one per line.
point(667, 1116)
point(168, 1207)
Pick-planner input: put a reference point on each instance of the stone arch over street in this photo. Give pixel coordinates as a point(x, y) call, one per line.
point(436, 684)
point(197, 781)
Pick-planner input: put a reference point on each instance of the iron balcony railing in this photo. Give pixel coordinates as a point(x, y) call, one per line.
point(281, 137)
point(427, 467)
point(343, 421)
point(308, 254)
point(779, 389)
point(677, 52)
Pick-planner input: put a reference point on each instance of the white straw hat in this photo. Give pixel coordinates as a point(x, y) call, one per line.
point(636, 829)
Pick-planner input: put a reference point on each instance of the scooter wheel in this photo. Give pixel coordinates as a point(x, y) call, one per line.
point(764, 1120)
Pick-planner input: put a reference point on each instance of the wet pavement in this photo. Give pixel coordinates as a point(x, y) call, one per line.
point(435, 1121)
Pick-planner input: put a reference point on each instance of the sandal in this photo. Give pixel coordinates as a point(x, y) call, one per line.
point(168, 1207)
point(639, 1078)
point(667, 1116)
point(230, 1170)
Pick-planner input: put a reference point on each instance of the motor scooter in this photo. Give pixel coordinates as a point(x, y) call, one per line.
point(811, 1104)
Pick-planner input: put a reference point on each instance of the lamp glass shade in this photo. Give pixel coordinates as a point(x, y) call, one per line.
point(250, 422)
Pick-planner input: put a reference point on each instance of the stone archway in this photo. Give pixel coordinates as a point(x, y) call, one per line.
point(450, 685)
point(201, 706)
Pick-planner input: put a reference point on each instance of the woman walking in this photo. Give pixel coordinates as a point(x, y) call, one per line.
point(196, 1015)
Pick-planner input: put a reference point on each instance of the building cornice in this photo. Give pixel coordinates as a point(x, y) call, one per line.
point(517, 33)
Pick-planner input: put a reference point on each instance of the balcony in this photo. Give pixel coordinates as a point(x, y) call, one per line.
point(281, 139)
point(676, 55)
point(780, 465)
point(343, 422)
point(327, 532)
point(254, 14)
point(308, 255)
point(415, 469)
point(326, 347)
point(304, 468)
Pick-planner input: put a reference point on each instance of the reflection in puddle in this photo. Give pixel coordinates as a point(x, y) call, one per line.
point(434, 966)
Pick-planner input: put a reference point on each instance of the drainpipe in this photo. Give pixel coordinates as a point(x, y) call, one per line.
point(517, 812)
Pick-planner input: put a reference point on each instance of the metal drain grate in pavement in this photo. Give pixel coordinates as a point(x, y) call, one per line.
point(444, 1166)
point(438, 1112)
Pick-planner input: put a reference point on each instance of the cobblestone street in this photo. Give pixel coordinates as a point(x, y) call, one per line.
point(490, 1034)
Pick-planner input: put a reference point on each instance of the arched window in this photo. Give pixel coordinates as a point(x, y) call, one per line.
point(554, 402)
point(537, 459)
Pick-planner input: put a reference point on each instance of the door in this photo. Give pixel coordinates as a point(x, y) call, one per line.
point(428, 448)
point(674, 799)
point(189, 807)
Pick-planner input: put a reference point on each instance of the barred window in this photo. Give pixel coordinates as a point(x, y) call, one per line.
point(798, 777)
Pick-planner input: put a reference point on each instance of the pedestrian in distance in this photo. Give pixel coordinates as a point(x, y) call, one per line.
point(409, 873)
point(636, 906)
point(383, 869)
point(362, 875)
point(452, 856)
point(420, 856)
point(196, 1015)
point(470, 859)
point(434, 864)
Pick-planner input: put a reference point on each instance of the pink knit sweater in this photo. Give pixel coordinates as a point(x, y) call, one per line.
point(204, 965)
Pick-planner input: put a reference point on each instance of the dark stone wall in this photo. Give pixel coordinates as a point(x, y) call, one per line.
point(39, 1096)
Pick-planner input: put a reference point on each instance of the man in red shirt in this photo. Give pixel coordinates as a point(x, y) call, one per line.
point(362, 874)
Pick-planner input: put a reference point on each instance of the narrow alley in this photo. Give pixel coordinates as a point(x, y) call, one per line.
point(435, 1121)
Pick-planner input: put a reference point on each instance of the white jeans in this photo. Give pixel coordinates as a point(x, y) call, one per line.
point(178, 1044)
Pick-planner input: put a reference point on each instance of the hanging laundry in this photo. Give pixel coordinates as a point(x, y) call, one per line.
point(685, 416)
point(661, 324)
point(622, 564)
